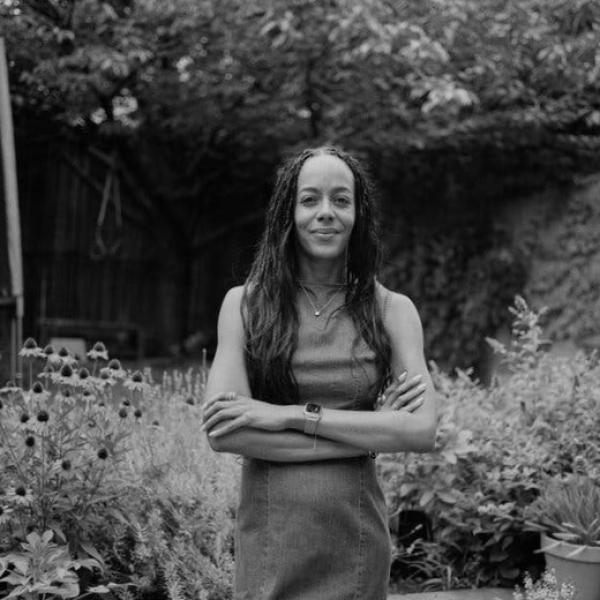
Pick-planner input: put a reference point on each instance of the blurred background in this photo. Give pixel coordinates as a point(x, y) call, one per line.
point(147, 134)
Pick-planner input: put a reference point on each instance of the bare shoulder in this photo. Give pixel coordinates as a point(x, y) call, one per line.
point(401, 317)
point(230, 316)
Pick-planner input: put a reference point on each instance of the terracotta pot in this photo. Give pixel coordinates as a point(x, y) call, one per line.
point(573, 563)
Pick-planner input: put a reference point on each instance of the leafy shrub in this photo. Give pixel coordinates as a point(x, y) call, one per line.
point(495, 448)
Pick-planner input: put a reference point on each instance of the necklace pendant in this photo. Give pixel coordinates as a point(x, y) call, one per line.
point(317, 313)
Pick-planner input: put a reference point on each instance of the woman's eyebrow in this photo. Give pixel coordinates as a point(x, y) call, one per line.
point(341, 188)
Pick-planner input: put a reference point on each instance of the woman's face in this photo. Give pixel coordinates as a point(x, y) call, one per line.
point(325, 208)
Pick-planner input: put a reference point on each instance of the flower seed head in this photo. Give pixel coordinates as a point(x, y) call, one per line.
point(20, 491)
point(83, 373)
point(66, 371)
point(87, 393)
point(1, 405)
point(30, 344)
point(42, 416)
point(48, 350)
point(30, 441)
point(37, 387)
point(155, 423)
point(101, 404)
point(24, 417)
point(190, 401)
point(123, 413)
point(126, 402)
point(63, 352)
point(65, 464)
point(102, 453)
point(99, 347)
point(137, 413)
point(114, 364)
point(104, 374)
point(137, 377)
point(67, 393)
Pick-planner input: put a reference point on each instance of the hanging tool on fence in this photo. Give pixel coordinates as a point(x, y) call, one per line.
point(102, 247)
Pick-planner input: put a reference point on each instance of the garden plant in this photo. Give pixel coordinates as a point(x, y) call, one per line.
point(111, 488)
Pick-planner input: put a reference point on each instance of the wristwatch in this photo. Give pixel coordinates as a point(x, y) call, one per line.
point(312, 416)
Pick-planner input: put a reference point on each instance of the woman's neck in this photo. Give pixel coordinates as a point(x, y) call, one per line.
point(322, 272)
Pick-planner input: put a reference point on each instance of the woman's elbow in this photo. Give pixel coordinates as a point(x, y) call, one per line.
point(216, 443)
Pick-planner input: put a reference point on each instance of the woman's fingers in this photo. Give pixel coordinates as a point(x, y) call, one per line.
point(409, 396)
point(413, 404)
point(225, 413)
point(216, 403)
point(398, 389)
point(230, 426)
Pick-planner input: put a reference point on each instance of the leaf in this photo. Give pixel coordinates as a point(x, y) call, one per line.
point(446, 497)
point(426, 498)
point(91, 550)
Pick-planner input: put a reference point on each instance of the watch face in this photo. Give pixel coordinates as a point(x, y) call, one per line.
point(313, 408)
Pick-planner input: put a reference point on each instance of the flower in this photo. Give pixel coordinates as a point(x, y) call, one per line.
point(10, 388)
point(30, 441)
point(83, 373)
point(24, 417)
point(137, 413)
point(65, 464)
point(98, 351)
point(136, 383)
point(65, 357)
point(102, 454)
point(38, 390)
point(190, 401)
point(43, 416)
point(30, 349)
point(19, 495)
point(116, 369)
point(123, 413)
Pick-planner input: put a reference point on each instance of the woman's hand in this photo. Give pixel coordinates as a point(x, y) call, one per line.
point(233, 411)
point(402, 394)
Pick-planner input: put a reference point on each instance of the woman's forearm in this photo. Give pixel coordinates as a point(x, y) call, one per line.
point(381, 431)
point(282, 446)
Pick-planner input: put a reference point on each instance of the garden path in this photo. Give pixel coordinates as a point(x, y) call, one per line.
point(480, 594)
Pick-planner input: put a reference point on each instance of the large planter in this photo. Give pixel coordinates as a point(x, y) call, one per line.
point(579, 565)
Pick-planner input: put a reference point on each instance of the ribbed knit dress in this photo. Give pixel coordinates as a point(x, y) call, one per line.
point(317, 530)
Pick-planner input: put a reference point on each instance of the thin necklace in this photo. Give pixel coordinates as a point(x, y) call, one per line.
point(318, 311)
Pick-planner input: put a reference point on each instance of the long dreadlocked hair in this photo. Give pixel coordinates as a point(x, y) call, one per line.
point(268, 303)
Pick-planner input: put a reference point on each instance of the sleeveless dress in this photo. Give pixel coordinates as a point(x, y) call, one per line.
point(317, 530)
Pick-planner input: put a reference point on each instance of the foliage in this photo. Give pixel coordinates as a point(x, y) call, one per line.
point(333, 70)
point(61, 444)
point(496, 447)
point(546, 588)
point(43, 569)
point(567, 509)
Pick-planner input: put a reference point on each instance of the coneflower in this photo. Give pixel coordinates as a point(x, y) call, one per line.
point(102, 453)
point(137, 413)
point(30, 441)
point(42, 416)
point(30, 349)
point(65, 464)
point(123, 413)
point(24, 417)
point(37, 388)
point(98, 351)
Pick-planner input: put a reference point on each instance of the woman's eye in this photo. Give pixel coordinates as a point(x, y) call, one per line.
point(307, 200)
point(342, 200)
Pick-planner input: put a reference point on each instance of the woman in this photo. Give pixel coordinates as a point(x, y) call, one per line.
point(304, 348)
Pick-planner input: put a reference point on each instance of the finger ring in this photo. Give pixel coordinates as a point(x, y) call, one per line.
point(231, 396)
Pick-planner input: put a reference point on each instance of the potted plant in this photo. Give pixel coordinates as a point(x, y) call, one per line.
point(567, 514)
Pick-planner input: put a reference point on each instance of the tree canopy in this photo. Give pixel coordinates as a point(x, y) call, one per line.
point(331, 70)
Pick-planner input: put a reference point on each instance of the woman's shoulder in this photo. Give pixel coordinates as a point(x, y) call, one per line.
point(397, 307)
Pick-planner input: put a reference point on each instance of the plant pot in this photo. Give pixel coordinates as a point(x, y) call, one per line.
point(574, 563)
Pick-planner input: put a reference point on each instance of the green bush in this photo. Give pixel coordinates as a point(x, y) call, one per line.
point(495, 446)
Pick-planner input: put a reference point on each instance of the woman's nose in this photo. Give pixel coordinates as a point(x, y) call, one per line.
point(325, 210)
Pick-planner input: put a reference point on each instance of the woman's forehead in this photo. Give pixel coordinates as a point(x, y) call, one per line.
point(325, 170)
